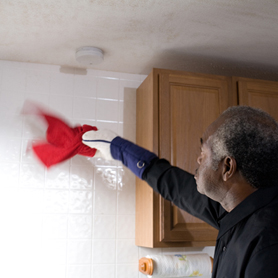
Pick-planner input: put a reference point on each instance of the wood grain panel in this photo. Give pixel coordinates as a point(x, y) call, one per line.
point(260, 94)
point(173, 110)
point(188, 104)
point(146, 123)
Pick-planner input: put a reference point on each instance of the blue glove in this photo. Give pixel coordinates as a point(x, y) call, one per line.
point(110, 146)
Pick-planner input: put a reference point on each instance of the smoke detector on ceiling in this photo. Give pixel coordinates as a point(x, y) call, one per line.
point(89, 55)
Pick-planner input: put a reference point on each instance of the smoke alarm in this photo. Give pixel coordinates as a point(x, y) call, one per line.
point(89, 55)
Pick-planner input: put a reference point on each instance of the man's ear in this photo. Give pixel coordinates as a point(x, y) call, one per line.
point(229, 168)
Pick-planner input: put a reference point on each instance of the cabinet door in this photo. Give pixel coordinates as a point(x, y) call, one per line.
point(259, 94)
point(188, 103)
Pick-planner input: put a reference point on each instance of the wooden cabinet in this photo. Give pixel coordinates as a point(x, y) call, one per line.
point(173, 110)
point(257, 93)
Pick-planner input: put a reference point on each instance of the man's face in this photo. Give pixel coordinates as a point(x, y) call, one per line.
point(207, 178)
point(205, 174)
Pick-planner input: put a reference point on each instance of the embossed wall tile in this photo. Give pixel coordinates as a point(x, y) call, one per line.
point(61, 84)
point(10, 149)
point(126, 251)
point(62, 105)
point(105, 191)
point(54, 251)
point(58, 176)
point(10, 125)
point(40, 99)
point(30, 200)
point(38, 81)
point(104, 251)
point(56, 201)
point(85, 85)
point(27, 154)
point(33, 127)
point(30, 230)
point(53, 271)
point(81, 201)
point(104, 271)
point(104, 226)
point(79, 271)
point(9, 173)
point(9, 75)
point(32, 175)
point(81, 176)
point(107, 110)
point(84, 108)
point(127, 271)
point(11, 102)
point(79, 251)
point(125, 226)
point(126, 193)
point(55, 226)
point(80, 226)
point(108, 88)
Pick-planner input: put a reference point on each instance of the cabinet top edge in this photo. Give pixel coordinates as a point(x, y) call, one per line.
point(245, 79)
point(159, 71)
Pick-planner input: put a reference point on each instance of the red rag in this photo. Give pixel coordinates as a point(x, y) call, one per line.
point(63, 142)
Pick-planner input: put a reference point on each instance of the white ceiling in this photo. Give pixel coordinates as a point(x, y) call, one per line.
point(227, 37)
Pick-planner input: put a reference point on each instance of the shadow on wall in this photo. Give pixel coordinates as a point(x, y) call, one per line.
point(129, 114)
point(194, 61)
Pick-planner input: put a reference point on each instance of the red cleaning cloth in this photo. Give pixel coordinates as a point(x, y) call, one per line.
point(63, 141)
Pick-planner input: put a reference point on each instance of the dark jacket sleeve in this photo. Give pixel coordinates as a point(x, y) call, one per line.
point(179, 187)
point(174, 184)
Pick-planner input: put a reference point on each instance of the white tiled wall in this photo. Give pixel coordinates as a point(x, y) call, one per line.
point(76, 220)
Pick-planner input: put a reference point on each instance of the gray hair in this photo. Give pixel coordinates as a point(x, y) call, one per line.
point(250, 136)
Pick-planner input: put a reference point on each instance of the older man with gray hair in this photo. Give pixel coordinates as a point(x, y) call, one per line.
point(235, 188)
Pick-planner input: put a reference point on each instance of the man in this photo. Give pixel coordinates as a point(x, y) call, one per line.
point(235, 188)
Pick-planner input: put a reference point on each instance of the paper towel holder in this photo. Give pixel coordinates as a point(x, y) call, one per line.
point(146, 266)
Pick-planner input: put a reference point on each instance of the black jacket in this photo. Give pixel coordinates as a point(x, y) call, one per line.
point(247, 243)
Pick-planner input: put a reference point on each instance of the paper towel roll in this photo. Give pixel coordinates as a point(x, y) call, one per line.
point(178, 265)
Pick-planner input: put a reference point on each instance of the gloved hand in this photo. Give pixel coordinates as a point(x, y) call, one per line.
point(110, 146)
point(100, 140)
